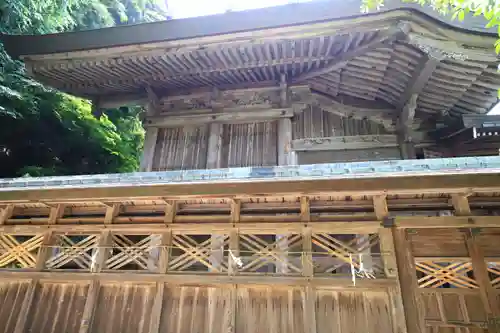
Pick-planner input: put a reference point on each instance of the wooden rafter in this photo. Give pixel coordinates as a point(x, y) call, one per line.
point(384, 38)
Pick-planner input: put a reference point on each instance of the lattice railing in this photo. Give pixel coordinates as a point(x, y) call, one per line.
point(199, 253)
point(133, 252)
point(271, 253)
point(443, 273)
point(19, 251)
point(494, 272)
point(72, 252)
point(347, 253)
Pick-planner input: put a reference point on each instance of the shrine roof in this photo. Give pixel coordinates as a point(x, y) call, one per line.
point(386, 56)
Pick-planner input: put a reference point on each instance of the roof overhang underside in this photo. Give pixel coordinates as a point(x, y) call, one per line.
point(389, 56)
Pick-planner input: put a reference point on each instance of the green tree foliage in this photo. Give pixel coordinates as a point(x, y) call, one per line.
point(46, 132)
point(489, 9)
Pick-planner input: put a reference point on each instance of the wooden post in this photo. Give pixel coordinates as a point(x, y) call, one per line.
point(309, 298)
point(6, 213)
point(45, 251)
point(480, 268)
point(153, 108)
point(412, 301)
point(388, 253)
point(285, 154)
point(165, 250)
point(100, 256)
point(149, 149)
point(214, 146)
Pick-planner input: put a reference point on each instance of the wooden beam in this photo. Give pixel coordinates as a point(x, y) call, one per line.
point(426, 184)
point(263, 227)
point(149, 149)
point(383, 38)
point(25, 309)
point(188, 279)
point(200, 117)
point(345, 142)
point(452, 48)
point(414, 222)
point(414, 312)
point(421, 75)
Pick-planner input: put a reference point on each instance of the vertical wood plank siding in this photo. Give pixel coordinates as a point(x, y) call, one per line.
point(316, 123)
point(181, 148)
point(253, 144)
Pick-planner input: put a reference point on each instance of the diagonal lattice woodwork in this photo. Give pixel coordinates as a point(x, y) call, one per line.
point(19, 251)
point(271, 253)
point(339, 254)
point(134, 252)
point(494, 272)
point(199, 253)
point(443, 273)
point(72, 252)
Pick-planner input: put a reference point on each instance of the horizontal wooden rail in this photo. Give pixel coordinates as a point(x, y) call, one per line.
point(202, 279)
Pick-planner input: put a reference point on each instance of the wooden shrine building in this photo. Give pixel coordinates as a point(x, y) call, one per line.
point(306, 169)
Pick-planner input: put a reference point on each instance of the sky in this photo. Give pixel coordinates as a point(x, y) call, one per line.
point(192, 8)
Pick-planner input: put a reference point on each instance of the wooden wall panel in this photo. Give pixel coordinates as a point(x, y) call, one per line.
point(181, 148)
point(445, 242)
point(196, 310)
point(57, 308)
point(346, 312)
point(269, 310)
point(123, 308)
point(11, 299)
point(445, 309)
point(314, 122)
point(253, 144)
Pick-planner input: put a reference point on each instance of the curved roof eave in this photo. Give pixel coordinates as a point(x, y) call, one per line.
point(233, 22)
